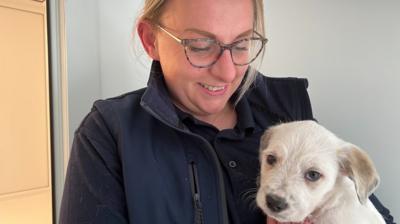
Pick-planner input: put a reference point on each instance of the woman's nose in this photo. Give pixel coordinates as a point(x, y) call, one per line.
point(224, 69)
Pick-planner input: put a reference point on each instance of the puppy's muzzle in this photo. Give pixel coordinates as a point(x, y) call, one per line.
point(276, 203)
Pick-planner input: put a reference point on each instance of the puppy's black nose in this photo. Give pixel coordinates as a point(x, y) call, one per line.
point(276, 203)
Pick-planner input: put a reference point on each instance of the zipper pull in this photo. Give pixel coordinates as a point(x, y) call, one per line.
point(198, 218)
point(198, 208)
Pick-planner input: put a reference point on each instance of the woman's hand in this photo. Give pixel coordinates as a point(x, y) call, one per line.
point(273, 221)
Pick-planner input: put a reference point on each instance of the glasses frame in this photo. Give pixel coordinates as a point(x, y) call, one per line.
point(223, 47)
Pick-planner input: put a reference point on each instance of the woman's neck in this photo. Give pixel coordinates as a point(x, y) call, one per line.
point(226, 119)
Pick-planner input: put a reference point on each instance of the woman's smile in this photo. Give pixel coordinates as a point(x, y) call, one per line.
point(213, 90)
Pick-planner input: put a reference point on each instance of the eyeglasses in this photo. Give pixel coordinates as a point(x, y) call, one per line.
point(205, 52)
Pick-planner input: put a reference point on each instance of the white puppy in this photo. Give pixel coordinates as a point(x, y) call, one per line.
point(307, 173)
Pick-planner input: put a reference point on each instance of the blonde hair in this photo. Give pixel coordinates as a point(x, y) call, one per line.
point(153, 9)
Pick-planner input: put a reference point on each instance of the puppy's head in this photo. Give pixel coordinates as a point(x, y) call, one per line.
point(301, 163)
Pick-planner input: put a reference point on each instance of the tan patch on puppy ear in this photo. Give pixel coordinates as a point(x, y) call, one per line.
point(265, 139)
point(357, 165)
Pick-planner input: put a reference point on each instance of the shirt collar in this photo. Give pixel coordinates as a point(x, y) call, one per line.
point(245, 121)
point(157, 101)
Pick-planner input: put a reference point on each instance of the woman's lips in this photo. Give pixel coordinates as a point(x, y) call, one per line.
point(213, 90)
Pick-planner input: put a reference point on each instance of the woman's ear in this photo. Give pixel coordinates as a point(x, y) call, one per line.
point(147, 35)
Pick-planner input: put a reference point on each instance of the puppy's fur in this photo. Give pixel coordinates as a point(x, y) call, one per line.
point(309, 173)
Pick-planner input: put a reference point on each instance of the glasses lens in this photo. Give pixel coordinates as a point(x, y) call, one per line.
point(205, 52)
point(246, 50)
point(202, 52)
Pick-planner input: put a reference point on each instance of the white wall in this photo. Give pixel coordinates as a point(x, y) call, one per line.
point(102, 58)
point(123, 68)
point(83, 65)
point(348, 49)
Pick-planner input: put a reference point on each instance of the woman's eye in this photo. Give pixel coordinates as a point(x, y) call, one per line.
point(241, 48)
point(271, 159)
point(312, 175)
point(198, 49)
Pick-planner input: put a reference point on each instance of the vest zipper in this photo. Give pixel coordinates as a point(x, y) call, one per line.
point(194, 182)
point(224, 207)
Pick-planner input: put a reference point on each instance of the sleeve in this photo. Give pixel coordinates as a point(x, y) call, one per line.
point(382, 209)
point(93, 190)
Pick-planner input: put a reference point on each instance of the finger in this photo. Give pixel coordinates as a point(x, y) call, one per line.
point(271, 221)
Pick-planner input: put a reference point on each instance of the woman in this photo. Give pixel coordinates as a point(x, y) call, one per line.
point(184, 149)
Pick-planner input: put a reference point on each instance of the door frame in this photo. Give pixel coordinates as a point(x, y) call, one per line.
point(59, 99)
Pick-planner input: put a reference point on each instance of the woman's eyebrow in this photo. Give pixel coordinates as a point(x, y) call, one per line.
point(201, 32)
point(211, 35)
point(246, 33)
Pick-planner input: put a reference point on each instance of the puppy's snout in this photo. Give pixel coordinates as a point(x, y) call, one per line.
point(276, 203)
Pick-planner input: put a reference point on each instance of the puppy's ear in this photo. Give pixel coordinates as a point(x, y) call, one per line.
point(265, 139)
point(357, 165)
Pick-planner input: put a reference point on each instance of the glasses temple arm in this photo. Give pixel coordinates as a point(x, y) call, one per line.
point(170, 34)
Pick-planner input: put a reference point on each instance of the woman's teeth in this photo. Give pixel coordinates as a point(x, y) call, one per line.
point(212, 88)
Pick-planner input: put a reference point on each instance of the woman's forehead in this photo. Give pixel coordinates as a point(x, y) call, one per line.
point(225, 19)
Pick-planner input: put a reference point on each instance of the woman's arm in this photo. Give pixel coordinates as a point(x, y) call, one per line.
point(93, 191)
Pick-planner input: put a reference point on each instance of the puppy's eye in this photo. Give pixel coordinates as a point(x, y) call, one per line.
point(271, 159)
point(312, 175)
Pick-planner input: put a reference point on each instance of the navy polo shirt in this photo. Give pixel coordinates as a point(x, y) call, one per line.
point(237, 150)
